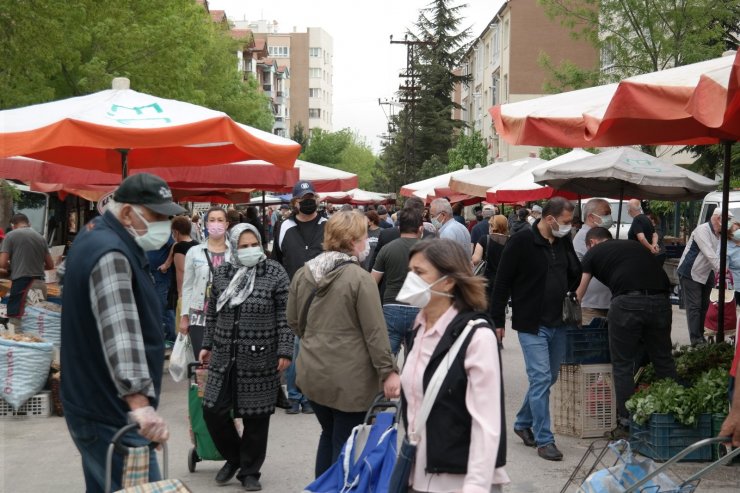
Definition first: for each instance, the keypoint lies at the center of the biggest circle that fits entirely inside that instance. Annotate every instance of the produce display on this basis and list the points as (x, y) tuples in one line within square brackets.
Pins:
[(21, 337), (702, 387)]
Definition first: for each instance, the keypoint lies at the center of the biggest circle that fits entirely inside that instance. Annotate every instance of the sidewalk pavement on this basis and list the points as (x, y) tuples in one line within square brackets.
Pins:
[(37, 455)]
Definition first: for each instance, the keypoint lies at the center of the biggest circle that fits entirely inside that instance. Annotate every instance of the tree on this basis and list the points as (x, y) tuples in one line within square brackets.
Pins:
[(469, 150), (343, 150), (425, 131), (299, 135), (53, 50), (635, 36)]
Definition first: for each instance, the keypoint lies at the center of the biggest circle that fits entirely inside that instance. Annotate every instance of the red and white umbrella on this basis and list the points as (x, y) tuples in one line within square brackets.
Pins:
[(691, 104), (356, 197), (522, 187), (120, 129), (326, 179), (428, 188)]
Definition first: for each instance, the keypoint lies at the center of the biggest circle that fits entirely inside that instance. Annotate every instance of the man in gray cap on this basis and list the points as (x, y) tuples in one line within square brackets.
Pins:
[(112, 341)]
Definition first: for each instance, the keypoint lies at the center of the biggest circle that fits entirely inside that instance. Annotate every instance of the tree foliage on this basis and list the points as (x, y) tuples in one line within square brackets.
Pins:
[(635, 36), (53, 50), (343, 150), (299, 136), (468, 151), (418, 147)]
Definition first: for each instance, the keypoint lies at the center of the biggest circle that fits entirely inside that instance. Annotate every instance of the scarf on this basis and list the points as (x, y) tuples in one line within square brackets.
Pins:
[(325, 262), (242, 283)]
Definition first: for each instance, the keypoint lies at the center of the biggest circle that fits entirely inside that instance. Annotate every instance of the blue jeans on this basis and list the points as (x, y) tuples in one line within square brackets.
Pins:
[(92, 439), (293, 393), (543, 354), (400, 321), (336, 427)]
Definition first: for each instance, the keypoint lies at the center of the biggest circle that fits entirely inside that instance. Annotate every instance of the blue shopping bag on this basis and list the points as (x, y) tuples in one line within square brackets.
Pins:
[(362, 469)]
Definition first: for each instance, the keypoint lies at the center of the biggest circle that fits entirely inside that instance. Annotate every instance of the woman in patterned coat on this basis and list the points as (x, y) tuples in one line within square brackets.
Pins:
[(247, 343)]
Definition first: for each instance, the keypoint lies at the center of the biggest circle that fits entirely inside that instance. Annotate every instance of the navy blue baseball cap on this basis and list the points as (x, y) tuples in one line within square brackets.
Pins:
[(303, 187)]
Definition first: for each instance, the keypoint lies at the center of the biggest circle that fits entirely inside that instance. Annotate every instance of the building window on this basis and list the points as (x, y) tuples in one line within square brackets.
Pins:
[(278, 51), (495, 43), (314, 93), (314, 113), (314, 52), (314, 72), (495, 82)]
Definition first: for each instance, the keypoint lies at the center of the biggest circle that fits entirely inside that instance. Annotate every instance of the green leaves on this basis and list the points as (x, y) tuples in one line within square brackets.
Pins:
[(469, 150), (53, 50), (343, 150)]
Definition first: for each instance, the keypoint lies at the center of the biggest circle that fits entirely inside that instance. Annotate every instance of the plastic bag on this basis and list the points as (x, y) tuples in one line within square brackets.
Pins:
[(181, 357), (627, 472), (24, 369)]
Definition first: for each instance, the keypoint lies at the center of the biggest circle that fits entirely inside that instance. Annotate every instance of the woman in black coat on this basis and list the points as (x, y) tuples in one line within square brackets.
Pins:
[(247, 343)]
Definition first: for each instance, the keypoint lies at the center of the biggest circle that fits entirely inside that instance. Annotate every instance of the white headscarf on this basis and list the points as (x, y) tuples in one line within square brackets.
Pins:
[(242, 283)]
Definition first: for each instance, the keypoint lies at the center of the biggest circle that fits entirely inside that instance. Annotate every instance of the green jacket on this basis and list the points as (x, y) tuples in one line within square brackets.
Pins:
[(345, 353)]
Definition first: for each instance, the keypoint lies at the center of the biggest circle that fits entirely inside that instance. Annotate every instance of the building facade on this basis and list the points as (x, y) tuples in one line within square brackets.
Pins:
[(503, 65), (308, 58)]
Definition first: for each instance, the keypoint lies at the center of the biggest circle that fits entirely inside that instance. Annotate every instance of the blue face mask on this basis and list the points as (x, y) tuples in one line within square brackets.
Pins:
[(736, 235)]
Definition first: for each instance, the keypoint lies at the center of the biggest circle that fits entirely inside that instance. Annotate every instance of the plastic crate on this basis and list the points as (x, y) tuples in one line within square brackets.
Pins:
[(587, 346), (583, 401), (663, 437), (38, 406)]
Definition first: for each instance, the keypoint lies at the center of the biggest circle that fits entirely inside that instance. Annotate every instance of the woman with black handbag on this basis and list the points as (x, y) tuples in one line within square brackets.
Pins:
[(452, 381)]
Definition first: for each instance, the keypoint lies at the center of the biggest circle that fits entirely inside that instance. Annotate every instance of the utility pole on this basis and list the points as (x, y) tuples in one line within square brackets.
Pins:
[(410, 96)]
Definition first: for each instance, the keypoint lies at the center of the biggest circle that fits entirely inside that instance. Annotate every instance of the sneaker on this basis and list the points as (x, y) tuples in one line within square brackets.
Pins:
[(306, 408), (250, 483), (527, 436), (550, 452), (295, 408)]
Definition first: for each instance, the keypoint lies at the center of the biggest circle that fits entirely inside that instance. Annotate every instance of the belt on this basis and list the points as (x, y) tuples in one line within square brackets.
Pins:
[(642, 292)]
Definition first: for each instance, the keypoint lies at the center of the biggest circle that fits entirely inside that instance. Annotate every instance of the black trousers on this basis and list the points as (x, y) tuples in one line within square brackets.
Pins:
[(639, 324), (336, 427), (250, 450)]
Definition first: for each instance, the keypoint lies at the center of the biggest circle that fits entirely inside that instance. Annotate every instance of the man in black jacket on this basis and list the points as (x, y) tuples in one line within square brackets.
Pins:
[(299, 239), (538, 267)]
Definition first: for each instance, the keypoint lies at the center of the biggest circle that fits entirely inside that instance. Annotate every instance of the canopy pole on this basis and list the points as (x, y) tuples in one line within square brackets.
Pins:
[(124, 163), (723, 241), (619, 214), (264, 214)]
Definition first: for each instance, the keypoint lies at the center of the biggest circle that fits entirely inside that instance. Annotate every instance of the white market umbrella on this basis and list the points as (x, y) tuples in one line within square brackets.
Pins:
[(424, 188), (478, 181)]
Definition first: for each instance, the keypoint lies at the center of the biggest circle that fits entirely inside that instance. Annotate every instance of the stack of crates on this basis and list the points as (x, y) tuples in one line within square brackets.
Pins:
[(38, 406), (583, 401)]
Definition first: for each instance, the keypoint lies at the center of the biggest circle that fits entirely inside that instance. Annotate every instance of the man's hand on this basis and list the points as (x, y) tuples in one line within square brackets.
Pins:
[(184, 325), (164, 267), (500, 332), (392, 386), (283, 363), (151, 425), (656, 249)]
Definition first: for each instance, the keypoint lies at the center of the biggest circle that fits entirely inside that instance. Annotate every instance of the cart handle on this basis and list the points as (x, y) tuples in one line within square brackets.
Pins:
[(380, 402), (691, 448), (115, 445)]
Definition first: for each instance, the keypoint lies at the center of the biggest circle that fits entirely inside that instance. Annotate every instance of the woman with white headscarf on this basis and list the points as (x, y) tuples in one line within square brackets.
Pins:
[(247, 343)]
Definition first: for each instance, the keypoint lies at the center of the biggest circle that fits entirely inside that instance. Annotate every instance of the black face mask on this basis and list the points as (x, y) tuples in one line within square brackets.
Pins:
[(307, 206)]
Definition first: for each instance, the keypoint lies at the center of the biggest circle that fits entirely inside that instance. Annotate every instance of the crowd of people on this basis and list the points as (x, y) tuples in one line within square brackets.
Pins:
[(330, 297)]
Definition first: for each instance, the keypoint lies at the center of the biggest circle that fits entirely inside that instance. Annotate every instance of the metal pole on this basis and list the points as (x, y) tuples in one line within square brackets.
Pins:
[(619, 214), (124, 163), (723, 242)]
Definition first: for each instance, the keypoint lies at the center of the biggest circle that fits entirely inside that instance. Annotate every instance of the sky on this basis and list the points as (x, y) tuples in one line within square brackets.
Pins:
[(366, 65)]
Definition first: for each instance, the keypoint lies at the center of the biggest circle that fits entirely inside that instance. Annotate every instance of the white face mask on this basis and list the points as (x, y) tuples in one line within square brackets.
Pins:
[(365, 252), (562, 230), (417, 292), (156, 236), (606, 221), (250, 256)]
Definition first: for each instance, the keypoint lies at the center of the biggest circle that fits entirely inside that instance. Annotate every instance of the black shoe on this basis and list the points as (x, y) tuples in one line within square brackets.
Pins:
[(250, 483), (227, 472), (295, 408), (527, 436), (550, 452), (306, 408)]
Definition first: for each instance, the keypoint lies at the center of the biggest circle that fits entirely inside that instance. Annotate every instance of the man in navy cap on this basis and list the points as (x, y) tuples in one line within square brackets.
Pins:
[(298, 240), (112, 340)]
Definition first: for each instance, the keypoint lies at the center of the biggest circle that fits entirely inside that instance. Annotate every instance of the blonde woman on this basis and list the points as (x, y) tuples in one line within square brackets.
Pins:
[(345, 356)]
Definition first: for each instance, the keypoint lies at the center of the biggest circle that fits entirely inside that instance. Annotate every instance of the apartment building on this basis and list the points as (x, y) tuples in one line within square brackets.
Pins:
[(308, 60), (503, 64)]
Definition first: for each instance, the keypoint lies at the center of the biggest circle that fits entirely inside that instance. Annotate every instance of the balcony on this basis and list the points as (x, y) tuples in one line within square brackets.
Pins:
[(279, 97), (267, 88), (279, 123)]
